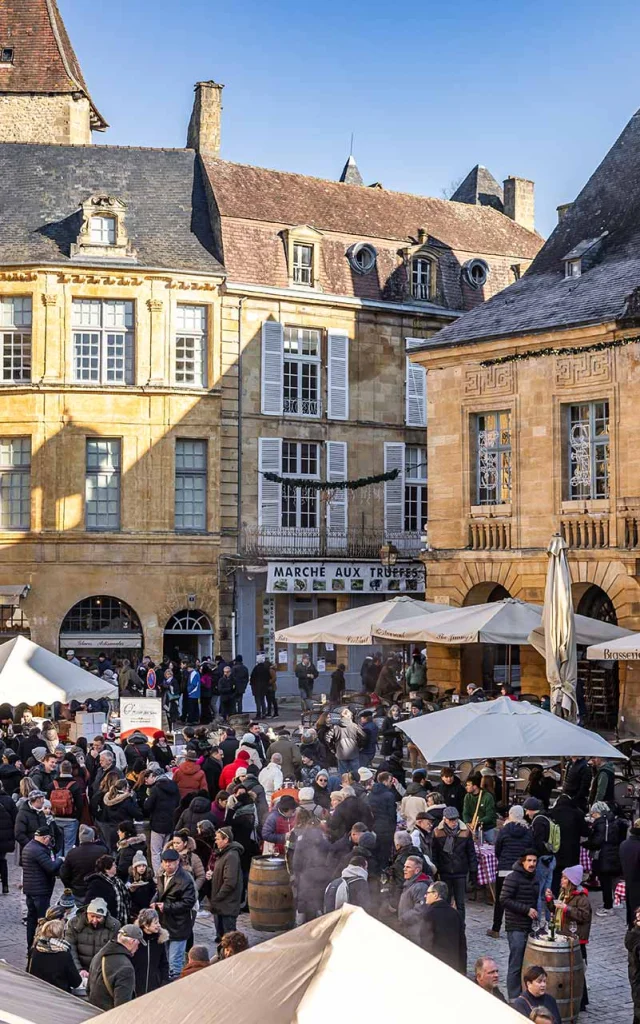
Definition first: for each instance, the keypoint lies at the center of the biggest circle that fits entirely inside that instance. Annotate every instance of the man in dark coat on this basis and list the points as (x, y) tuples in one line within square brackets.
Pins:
[(229, 746), (30, 818), (81, 861), (454, 855), (442, 929), (411, 907), (519, 898), (39, 870), (112, 978), (163, 798), (577, 783), (382, 804), (346, 814), (226, 883), (176, 907), (259, 681), (630, 861), (370, 745), (240, 674), (453, 792), (90, 930), (572, 828), (7, 840), (311, 870)]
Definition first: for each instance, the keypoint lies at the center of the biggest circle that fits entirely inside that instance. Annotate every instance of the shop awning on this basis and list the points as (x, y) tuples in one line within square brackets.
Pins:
[(356, 626), (627, 648), (10, 596)]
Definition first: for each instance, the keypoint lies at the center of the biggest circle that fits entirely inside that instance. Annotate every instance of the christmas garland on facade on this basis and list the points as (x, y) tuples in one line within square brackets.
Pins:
[(573, 350), (331, 485)]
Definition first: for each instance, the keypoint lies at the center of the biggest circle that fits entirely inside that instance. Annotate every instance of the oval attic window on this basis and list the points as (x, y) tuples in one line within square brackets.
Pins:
[(362, 257), (476, 272)]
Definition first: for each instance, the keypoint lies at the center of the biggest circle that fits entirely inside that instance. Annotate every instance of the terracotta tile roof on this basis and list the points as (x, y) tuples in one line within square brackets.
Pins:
[(279, 197), (44, 60)]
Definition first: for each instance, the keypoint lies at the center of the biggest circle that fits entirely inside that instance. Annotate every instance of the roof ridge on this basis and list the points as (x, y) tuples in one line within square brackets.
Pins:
[(61, 50), (100, 146)]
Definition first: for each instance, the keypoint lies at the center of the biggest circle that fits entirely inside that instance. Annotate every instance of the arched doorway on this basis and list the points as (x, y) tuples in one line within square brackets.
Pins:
[(102, 623), (598, 687), (188, 634), (489, 665)]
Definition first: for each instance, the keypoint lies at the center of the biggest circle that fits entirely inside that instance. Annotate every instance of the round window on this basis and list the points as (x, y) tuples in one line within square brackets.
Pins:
[(362, 257), (476, 272)]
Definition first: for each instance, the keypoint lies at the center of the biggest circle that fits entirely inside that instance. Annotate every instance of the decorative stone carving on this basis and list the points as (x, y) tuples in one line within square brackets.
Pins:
[(49, 300), (586, 368), (105, 210), (490, 380), (155, 305), (18, 275)]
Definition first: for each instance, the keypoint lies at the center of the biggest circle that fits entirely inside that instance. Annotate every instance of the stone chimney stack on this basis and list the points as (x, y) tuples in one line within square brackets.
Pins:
[(205, 124), (519, 201), (563, 210)]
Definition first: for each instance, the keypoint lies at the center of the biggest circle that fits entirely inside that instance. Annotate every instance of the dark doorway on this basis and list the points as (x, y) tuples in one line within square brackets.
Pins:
[(598, 687), (489, 665)]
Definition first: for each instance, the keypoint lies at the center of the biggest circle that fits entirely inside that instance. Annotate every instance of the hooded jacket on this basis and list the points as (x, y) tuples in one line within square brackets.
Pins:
[(355, 890), (271, 779), (382, 804), (85, 940), (118, 807), (161, 803), (604, 842), (178, 894), (151, 962), (519, 895), (198, 810), (119, 973), (10, 777), (189, 778), (226, 883)]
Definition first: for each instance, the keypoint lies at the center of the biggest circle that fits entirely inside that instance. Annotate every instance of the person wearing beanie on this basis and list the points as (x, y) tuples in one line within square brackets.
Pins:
[(307, 801), (81, 862), (30, 817), (248, 743), (454, 855), (141, 884), (130, 842), (605, 835), (175, 905), (279, 823), (189, 776), (511, 842), (228, 773), (91, 928), (540, 841)]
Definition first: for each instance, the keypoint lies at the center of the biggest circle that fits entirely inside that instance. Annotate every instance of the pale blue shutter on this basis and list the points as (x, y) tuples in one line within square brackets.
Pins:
[(338, 375), (272, 368), (394, 489), (337, 510), (269, 493), (416, 395)]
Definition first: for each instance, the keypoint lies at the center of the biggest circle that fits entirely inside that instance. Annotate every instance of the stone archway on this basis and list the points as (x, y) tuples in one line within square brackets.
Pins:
[(488, 665), (598, 682)]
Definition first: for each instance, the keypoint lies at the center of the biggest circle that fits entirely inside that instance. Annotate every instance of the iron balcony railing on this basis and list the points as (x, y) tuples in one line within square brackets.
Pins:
[(302, 407), (350, 543)]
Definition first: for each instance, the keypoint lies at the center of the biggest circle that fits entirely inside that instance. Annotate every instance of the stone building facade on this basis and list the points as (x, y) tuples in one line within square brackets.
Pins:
[(534, 428)]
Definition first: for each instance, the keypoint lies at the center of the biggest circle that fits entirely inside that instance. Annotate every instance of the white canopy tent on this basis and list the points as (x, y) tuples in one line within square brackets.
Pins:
[(356, 626), (502, 728), (626, 648), (25, 999), (325, 968), (500, 622), (32, 675)]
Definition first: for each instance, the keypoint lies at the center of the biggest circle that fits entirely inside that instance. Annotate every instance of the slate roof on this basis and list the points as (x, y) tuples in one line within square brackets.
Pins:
[(44, 60), (350, 173), (167, 215), (480, 188), (609, 206), (280, 197)]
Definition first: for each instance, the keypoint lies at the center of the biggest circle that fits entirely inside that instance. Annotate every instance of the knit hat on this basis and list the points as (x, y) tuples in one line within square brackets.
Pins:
[(516, 813), (243, 755), (451, 813), (600, 807), (365, 774), (36, 794), (306, 793), (323, 771), (249, 738), (67, 900), (574, 874), (98, 906), (139, 858), (533, 804), (191, 755), (369, 840), (86, 834), (225, 831), (240, 773), (40, 753)]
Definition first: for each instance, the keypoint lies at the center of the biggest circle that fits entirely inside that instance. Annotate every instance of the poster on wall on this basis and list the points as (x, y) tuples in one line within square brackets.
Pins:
[(140, 714), (269, 627), (345, 578)]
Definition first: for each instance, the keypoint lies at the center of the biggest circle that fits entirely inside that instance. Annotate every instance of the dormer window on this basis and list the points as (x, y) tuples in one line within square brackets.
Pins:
[(421, 278), (103, 230), (572, 268), (302, 250), (6, 55), (302, 264)]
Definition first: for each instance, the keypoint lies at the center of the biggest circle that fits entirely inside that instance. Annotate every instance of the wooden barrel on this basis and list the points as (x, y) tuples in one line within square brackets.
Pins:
[(562, 960), (271, 906)]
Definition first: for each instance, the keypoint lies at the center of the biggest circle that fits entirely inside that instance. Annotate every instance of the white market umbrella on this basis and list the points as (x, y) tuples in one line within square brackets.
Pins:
[(501, 728), (560, 655), (323, 969), (32, 675), (626, 648), (355, 626)]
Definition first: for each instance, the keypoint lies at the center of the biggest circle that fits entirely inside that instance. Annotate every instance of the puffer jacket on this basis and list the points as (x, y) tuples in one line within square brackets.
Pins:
[(511, 842), (126, 851), (78, 863), (10, 777), (189, 778), (519, 895), (160, 805), (462, 859), (226, 884), (151, 962), (344, 739), (39, 869), (28, 820), (604, 841), (198, 810), (7, 824), (85, 941)]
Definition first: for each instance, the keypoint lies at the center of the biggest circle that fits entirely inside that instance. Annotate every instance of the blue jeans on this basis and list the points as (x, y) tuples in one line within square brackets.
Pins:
[(544, 876), (69, 829), (351, 765), (177, 949), (517, 943), (306, 699)]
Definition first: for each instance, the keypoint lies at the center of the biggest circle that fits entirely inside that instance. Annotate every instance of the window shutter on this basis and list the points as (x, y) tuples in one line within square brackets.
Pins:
[(272, 368), (394, 489), (337, 508), (338, 376), (269, 494), (416, 395)]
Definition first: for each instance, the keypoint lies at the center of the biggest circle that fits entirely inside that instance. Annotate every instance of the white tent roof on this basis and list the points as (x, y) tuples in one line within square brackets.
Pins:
[(28, 1000), (356, 625), (626, 648), (501, 728), (34, 675), (329, 969), (499, 622)]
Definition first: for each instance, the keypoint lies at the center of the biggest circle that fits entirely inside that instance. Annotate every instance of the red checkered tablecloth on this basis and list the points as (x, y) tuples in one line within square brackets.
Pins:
[(487, 864), (585, 860), (620, 895)]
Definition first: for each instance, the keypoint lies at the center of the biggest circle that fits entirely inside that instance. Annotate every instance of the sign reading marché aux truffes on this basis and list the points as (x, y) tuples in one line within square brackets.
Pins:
[(344, 578)]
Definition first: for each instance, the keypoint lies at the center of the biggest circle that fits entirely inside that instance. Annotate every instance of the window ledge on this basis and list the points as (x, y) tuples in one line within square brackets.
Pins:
[(489, 511), (596, 506)]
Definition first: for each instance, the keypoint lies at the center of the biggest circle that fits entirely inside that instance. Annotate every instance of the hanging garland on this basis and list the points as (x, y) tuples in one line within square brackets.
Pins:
[(573, 350), (331, 485)]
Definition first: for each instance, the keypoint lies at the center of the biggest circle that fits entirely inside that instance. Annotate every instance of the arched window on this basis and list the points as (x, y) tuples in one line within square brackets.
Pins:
[(188, 633), (188, 622), (101, 615)]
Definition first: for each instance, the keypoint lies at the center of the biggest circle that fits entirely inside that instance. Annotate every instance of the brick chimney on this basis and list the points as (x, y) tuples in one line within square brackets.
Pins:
[(519, 201), (204, 127)]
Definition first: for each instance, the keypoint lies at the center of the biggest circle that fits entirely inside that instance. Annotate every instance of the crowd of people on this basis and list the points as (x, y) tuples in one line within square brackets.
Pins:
[(147, 834)]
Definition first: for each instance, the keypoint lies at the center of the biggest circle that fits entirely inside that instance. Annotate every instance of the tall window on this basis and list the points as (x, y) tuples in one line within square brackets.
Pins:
[(300, 504), (191, 486), (421, 278), (102, 485), (301, 371), (15, 325), (15, 483), (103, 230), (102, 341), (493, 469), (589, 450), (191, 346), (415, 488), (302, 264)]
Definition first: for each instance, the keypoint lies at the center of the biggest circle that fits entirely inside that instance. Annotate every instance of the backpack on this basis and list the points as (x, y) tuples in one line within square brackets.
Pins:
[(61, 800), (553, 842), (336, 894)]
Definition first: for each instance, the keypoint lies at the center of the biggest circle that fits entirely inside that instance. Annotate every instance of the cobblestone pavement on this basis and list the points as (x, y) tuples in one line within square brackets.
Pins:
[(610, 1000)]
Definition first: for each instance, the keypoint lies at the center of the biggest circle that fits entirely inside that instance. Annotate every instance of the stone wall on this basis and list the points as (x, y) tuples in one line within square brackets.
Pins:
[(60, 119)]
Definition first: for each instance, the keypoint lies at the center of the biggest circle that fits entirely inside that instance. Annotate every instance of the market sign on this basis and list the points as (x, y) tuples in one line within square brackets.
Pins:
[(112, 641), (140, 714), (344, 578)]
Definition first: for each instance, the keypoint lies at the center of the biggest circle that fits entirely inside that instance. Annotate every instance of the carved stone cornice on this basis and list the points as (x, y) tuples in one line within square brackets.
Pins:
[(123, 280), (18, 275)]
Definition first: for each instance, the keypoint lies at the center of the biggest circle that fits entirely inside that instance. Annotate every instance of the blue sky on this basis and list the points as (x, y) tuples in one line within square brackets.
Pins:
[(538, 88)]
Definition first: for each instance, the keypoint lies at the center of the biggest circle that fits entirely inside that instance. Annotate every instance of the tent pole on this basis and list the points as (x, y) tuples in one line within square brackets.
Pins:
[(509, 664), (505, 795)]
